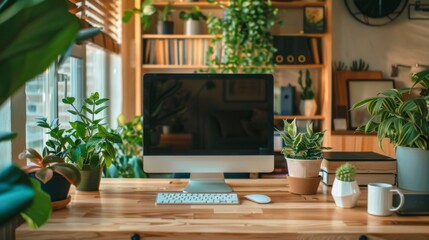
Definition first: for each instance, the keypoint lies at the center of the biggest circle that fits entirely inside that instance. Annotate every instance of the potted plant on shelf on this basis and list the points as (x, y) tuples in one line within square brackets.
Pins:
[(128, 163), (403, 117), (244, 36), (307, 105), (54, 174), (345, 189), (303, 153), (192, 20)]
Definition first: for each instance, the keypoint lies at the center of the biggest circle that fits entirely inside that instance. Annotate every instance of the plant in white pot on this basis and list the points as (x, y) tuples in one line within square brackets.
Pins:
[(402, 116), (307, 105), (303, 153), (192, 18), (345, 189)]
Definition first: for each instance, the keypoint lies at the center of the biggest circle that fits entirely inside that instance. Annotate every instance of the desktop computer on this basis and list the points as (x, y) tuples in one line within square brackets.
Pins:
[(207, 125)]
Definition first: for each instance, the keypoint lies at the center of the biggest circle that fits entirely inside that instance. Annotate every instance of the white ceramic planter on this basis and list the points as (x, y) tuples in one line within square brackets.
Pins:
[(303, 168), (308, 107), (345, 194)]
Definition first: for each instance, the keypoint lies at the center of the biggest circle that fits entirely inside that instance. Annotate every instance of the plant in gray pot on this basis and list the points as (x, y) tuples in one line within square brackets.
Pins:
[(54, 174), (192, 18), (303, 153), (402, 116)]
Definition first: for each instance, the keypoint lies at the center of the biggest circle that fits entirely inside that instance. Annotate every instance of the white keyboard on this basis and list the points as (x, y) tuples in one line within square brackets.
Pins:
[(196, 198)]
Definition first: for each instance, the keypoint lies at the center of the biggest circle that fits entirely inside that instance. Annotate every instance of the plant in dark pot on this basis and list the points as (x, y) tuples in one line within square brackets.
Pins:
[(128, 163), (192, 20), (303, 152), (54, 174), (402, 116)]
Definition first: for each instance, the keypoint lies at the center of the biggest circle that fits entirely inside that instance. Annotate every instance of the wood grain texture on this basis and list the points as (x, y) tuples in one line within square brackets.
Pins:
[(123, 207)]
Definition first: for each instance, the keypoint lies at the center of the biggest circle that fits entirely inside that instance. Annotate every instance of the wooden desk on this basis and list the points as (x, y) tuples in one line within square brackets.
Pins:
[(126, 206)]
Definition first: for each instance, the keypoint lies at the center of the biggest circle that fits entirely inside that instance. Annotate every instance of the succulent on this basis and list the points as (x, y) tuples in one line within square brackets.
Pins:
[(339, 66), (307, 92), (307, 145), (346, 173), (360, 65)]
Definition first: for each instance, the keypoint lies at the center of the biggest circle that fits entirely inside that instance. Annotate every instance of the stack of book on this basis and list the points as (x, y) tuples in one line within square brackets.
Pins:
[(371, 167)]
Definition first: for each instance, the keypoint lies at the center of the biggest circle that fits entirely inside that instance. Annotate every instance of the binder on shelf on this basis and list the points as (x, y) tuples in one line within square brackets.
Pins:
[(292, 50), (287, 100), (316, 47)]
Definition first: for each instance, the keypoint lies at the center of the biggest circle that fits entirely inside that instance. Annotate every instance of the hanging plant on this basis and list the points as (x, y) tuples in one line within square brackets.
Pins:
[(242, 39)]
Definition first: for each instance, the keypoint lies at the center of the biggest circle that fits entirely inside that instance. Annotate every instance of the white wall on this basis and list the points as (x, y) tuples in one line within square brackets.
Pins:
[(401, 42)]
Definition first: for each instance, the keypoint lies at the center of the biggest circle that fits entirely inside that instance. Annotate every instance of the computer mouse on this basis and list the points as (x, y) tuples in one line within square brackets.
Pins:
[(258, 198)]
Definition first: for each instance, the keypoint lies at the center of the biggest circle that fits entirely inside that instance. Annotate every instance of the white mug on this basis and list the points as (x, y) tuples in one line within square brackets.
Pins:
[(380, 199)]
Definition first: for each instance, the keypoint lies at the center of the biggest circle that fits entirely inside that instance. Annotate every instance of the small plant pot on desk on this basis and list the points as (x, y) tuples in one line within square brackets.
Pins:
[(91, 178), (303, 175), (306, 186)]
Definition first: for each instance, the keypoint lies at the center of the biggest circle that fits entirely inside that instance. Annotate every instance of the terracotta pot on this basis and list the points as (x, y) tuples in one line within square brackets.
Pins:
[(345, 194), (305, 186), (303, 168)]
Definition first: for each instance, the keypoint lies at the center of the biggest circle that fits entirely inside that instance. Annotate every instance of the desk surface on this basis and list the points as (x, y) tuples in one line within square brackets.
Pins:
[(126, 206)]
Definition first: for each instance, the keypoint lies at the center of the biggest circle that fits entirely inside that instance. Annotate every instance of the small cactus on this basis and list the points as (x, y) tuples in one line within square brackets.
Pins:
[(346, 172)]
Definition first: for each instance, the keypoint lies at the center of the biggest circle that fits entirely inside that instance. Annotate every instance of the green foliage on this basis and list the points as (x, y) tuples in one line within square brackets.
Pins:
[(46, 166), (128, 162), (194, 13), (20, 194), (360, 65), (146, 12), (307, 92), (244, 36), (399, 115), (35, 32), (307, 145), (346, 172)]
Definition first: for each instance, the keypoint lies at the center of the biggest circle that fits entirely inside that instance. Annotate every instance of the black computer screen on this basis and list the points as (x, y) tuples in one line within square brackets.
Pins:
[(208, 114)]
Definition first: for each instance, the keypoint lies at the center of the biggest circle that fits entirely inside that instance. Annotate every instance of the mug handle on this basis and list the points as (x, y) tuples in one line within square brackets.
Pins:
[(401, 202)]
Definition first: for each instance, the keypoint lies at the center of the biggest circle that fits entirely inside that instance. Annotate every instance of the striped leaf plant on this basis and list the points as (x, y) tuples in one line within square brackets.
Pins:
[(400, 114)]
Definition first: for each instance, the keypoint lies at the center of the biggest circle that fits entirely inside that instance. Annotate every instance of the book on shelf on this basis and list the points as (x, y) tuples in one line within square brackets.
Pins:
[(365, 162), (362, 179), (293, 50)]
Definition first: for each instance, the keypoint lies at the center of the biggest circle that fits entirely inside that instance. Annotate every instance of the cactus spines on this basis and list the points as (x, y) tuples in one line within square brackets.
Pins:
[(346, 172)]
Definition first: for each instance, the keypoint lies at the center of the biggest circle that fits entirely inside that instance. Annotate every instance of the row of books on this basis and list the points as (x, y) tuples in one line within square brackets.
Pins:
[(371, 167), (175, 51)]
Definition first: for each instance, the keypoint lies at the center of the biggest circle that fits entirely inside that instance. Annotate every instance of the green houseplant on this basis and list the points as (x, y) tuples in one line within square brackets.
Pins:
[(192, 19), (244, 36), (402, 116), (128, 163), (345, 189), (54, 174), (307, 105), (303, 152)]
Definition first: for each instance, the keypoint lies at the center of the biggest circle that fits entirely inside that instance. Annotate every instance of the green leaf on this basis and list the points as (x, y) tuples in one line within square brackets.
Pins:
[(4, 136), (68, 100), (40, 210), (44, 175), (37, 32), (75, 154), (100, 101), (15, 190), (100, 109), (69, 172)]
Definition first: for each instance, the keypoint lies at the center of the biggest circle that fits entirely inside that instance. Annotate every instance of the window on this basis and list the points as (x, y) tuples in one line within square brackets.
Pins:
[(5, 147)]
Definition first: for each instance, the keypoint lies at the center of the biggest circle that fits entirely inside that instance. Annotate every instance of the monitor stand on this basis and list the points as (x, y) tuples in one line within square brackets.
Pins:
[(207, 182)]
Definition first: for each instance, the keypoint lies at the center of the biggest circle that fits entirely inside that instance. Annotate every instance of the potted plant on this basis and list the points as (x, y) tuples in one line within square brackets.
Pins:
[(402, 116), (192, 20), (128, 163), (164, 26), (244, 36), (307, 105), (345, 189), (87, 144), (54, 174), (303, 153)]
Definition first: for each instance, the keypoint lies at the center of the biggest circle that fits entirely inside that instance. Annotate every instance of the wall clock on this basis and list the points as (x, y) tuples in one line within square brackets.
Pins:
[(375, 12)]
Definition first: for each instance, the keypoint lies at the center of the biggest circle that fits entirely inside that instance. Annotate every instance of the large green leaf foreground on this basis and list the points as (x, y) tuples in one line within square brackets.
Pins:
[(19, 194), (34, 33)]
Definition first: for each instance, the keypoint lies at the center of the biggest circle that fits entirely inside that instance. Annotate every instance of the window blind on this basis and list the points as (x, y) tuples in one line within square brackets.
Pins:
[(100, 13)]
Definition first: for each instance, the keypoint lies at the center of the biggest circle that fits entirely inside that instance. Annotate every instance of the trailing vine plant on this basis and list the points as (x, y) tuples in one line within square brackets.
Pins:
[(242, 39)]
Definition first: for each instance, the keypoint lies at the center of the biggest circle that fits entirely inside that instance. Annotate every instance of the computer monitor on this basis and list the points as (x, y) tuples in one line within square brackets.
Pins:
[(207, 125)]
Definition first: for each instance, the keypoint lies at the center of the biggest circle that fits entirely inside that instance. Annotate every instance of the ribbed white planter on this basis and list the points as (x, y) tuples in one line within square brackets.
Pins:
[(345, 194)]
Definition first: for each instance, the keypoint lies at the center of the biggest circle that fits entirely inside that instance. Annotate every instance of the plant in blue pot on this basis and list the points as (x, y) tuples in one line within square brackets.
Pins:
[(54, 174), (402, 116)]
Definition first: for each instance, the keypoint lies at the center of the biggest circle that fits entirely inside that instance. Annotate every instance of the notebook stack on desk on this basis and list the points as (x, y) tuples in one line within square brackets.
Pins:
[(371, 167)]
